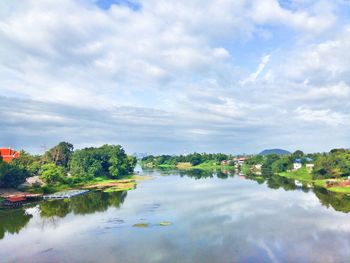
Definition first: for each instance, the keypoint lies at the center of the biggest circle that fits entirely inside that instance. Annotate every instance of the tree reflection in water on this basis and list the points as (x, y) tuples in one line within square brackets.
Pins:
[(96, 201), (12, 221)]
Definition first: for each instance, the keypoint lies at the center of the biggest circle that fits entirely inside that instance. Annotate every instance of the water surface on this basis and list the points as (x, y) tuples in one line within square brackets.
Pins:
[(215, 216)]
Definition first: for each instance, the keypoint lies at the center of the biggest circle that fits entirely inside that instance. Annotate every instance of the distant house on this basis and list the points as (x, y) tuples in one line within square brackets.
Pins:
[(8, 154), (297, 164), (240, 160)]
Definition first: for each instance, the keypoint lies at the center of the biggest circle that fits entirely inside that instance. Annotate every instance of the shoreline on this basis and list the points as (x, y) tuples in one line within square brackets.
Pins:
[(98, 184)]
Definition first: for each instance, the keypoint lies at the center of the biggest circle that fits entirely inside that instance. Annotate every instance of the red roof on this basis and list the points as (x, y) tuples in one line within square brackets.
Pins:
[(8, 154), (14, 199)]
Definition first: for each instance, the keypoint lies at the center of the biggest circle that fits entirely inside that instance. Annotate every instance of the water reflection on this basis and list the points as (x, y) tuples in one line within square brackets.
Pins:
[(202, 174), (13, 221), (338, 201), (84, 204)]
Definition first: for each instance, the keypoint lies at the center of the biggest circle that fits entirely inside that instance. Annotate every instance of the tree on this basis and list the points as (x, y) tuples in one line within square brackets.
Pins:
[(60, 154), (297, 154), (28, 162), (107, 160), (11, 176), (51, 173)]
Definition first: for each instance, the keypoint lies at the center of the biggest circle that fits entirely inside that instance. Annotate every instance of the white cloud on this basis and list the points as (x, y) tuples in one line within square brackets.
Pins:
[(325, 116), (270, 11), (254, 76), (181, 63)]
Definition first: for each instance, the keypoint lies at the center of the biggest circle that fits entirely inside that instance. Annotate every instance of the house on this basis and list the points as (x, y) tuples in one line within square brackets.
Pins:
[(297, 164), (8, 154), (240, 160)]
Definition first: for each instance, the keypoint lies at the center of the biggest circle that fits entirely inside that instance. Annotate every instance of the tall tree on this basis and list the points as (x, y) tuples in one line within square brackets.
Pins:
[(60, 154)]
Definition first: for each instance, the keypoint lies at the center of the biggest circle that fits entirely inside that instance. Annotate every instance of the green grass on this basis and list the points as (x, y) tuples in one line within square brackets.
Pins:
[(53, 188), (301, 175), (120, 189), (304, 176)]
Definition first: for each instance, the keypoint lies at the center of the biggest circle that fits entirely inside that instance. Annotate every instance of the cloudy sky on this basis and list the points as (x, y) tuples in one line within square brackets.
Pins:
[(175, 76)]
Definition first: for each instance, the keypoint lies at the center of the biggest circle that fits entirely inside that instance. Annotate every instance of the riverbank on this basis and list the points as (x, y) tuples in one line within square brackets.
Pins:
[(333, 185), (189, 166), (98, 183)]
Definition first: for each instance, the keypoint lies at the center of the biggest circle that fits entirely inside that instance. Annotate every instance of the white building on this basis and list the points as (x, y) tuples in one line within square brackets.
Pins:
[(297, 164)]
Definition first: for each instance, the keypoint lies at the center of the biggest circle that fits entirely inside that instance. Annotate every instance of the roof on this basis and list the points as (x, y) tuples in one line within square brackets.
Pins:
[(7, 154), (297, 160)]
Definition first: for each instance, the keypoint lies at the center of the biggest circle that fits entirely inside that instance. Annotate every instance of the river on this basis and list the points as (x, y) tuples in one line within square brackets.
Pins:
[(211, 217)]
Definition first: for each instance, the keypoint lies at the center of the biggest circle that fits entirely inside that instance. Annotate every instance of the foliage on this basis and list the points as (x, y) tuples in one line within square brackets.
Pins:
[(193, 158), (109, 161), (52, 173), (62, 165), (10, 175), (335, 164), (60, 154)]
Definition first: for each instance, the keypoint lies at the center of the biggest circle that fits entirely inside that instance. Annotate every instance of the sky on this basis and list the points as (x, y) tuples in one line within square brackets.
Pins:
[(175, 76)]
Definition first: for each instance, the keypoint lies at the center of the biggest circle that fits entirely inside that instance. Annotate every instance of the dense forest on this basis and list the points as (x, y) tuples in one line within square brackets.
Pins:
[(62, 164)]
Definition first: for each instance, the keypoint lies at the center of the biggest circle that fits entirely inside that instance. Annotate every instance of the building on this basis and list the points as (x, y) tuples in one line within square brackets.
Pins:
[(240, 160), (297, 164), (8, 154)]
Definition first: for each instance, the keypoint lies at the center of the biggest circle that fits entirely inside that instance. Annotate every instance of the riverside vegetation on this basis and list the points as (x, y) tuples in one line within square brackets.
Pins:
[(62, 167), (189, 161), (331, 170)]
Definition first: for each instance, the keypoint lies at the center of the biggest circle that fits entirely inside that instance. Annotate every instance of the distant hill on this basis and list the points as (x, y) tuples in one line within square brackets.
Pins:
[(274, 151)]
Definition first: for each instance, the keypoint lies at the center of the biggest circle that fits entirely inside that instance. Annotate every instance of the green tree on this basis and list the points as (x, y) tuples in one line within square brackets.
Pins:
[(11, 176), (51, 173), (60, 154)]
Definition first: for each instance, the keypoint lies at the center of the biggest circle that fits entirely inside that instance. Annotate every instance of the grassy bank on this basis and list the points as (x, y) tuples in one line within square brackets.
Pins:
[(100, 183), (303, 175)]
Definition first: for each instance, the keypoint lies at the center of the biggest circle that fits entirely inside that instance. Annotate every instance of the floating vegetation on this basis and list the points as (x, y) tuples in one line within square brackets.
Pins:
[(113, 186), (142, 177), (141, 225), (165, 223), (124, 187)]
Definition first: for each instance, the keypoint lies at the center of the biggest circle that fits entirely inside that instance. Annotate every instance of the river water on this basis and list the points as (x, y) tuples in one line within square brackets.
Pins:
[(214, 216)]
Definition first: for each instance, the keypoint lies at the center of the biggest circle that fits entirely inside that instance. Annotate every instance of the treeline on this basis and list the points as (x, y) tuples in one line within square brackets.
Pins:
[(279, 163), (61, 164), (193, 158), (334, 164)]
